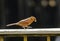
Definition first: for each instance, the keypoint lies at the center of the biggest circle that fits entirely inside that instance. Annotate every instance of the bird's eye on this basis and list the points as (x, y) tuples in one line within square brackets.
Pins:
[(31, 18)]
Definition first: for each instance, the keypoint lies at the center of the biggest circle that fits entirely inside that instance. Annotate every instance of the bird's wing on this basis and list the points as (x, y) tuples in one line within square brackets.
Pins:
[(25, 20)]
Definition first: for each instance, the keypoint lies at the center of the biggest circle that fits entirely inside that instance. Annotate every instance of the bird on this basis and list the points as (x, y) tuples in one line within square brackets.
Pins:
[(24, 23)]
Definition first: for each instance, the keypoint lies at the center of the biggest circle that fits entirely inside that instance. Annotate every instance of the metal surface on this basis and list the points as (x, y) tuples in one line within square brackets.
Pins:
[(1, 38), (48, 38), (25, 37), (30, 31)]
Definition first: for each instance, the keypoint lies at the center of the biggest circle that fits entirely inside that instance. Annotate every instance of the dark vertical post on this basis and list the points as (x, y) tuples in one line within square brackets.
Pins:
[(3, 14), (27, 8), (58, 4), (21, 9)]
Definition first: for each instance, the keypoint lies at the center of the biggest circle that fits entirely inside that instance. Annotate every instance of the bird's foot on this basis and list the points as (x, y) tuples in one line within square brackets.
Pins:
[(29, 27)]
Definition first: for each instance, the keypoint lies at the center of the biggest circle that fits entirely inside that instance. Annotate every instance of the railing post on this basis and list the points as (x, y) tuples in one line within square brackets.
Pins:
[(25, 37), (48, 38), (1, 38)]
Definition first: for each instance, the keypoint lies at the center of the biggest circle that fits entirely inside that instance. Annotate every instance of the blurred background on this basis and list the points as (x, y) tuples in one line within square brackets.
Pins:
[(47, 13)]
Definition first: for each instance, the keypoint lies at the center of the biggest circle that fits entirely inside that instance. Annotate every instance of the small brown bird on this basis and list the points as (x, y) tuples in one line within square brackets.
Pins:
[(25, 22)]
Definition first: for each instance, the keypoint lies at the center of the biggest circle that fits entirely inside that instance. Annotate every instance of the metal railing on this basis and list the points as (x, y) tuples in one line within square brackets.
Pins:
[(29, 32)]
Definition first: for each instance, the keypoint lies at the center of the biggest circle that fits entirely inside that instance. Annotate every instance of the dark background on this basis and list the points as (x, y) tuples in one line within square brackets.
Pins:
[(14, 10)]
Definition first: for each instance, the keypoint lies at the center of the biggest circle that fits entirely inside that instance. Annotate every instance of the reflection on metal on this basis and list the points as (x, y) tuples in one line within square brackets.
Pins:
[(1, 38), (25, 37), (29, 32), (48, 38)]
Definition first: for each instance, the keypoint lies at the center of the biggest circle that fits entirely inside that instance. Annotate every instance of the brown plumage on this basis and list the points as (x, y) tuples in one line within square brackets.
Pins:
[(25, 22)]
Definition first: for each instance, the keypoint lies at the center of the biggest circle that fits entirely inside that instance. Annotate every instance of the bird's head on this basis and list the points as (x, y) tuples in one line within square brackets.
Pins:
[(34, 18)]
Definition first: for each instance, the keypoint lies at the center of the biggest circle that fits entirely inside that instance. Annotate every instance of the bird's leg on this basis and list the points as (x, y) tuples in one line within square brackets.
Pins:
[(24, 27), (29, 27)]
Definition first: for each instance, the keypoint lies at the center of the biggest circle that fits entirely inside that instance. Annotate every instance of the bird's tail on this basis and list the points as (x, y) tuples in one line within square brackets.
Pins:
[(11, 24)]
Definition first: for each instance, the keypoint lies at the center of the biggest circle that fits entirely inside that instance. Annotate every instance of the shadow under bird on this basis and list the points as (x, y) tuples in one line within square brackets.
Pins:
[(25, 23)]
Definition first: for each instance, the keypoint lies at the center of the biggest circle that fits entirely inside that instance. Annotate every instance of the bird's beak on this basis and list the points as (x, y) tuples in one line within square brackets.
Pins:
[(35, 20)]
